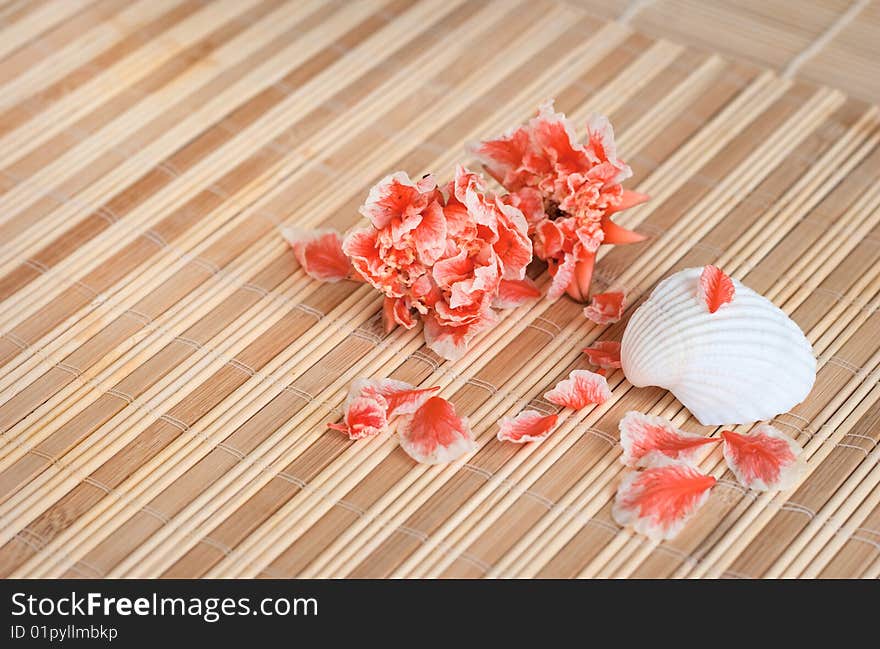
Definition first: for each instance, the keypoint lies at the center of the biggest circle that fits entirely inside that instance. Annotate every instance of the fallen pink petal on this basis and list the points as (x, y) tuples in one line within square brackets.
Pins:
[(650, 440), (527, 426), (604, 354), (319, 253), (764, 459), (606, 308), (580, 389), (659, 501), (434, 433)]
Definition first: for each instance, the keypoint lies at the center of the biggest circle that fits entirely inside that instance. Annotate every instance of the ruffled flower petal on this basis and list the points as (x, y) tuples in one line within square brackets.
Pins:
[(319, 253), (648, 440), (716, 288), (579, 390), (515, 292), (435, 433), (765, 459), (604, 354), (396, 198), (606, 308), (527, 426), (659, 501), (364, 416)]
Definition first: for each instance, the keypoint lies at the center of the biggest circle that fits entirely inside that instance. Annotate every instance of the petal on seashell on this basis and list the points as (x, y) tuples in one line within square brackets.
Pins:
[(716, 288), (515, 292), (319, 253), (659, 501), (765, 459), (580, 389), (527, 426), (435, 433), (747, 362), (400, 397), (604, 353), (648, 440), (606, 308), (364, 416)]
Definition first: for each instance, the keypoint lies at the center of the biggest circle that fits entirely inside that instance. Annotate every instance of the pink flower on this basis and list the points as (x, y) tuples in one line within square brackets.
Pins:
[(448, 256), (579, 188)]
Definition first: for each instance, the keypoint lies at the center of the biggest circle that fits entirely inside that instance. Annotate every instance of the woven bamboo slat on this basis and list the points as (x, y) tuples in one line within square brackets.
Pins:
[(167, 370)]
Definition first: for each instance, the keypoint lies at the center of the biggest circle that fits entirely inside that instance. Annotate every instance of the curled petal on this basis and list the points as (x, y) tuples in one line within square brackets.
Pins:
[(319, 253), (606, 308), (548, 239), (580, 389), (527, 426), (435, 433), (765, 459), (579, 286), (617, 235), (659, 501), (716, 288), (530, 202), (648, 440), (396, 312), (600, 139), (515, 292), (400, 397), (364, 416), (605, 354)]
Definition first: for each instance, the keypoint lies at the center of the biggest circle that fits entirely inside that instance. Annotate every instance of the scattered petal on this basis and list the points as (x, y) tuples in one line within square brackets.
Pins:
[(606, 308), (716, 288), (648, 440), (580, 389), (401, 397), (527, 426), (659, 501), (319, 253), (435, 433), (515, 292), (605, 354), (364, 416), (765, 459)]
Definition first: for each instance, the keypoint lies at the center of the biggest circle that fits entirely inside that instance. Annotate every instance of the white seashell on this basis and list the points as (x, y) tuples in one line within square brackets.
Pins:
[(746, 362)]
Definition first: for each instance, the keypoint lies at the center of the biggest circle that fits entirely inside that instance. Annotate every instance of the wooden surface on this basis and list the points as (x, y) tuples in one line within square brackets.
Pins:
[(167, 370)]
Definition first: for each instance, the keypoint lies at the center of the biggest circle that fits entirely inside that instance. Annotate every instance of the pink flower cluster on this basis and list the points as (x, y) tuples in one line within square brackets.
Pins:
[(567, 190), (452, 255)]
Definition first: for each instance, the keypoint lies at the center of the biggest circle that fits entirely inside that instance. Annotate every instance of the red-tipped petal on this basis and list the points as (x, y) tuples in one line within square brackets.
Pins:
[(515, 292), (401, 397), (617, 235), (716, 288), (435, 433), (604, 353), (765, 459), (319, 253), (659, 501), (648, 440), (527, 426), (364, 416), (606, 308), (580, 389)]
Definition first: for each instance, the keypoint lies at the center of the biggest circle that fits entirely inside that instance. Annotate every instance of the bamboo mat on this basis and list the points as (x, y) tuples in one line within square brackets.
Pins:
[(168, 370)]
